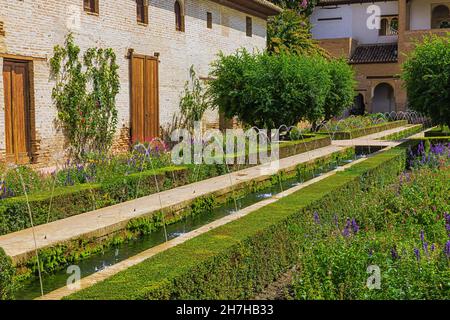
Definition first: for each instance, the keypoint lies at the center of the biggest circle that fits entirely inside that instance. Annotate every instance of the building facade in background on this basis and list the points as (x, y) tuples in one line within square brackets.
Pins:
[(375, 37), (156, 43)]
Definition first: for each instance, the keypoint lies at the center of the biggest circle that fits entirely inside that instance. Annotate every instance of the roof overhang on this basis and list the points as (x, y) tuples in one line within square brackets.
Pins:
[(259, 8), (337, 2)]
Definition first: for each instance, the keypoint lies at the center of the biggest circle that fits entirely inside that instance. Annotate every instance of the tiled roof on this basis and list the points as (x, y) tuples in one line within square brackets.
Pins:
[(375, 53), (333, 2)]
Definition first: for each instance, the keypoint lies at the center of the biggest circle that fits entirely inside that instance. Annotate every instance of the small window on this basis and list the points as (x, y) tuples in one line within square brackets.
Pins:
[(91, 6), (179, 17), (249, 27), (209, 20), (142, 11), (384, 27)]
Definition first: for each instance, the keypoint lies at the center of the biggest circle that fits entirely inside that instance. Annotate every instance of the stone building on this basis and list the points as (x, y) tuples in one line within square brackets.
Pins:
[(156, 42), (375, 37)]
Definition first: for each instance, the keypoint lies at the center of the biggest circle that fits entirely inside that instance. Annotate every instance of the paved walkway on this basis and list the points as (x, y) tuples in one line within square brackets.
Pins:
[(20, 245), (372, 139)]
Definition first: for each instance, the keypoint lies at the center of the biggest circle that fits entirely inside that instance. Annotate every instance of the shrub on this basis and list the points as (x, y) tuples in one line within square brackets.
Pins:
[(267, 90), (427, 78), (342, 91), (7, 272)]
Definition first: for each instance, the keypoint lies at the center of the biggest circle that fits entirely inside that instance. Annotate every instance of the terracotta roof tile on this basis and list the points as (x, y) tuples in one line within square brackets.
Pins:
[(375, 53)]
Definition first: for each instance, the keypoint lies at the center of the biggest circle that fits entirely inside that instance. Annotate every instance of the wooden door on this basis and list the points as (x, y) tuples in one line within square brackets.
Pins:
[(17, 120), (144, 98)]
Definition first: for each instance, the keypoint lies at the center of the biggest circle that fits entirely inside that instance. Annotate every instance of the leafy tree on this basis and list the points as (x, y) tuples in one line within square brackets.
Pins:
[(426, 74), (342, 91), (84, 95), (290, 32), (267, 90)]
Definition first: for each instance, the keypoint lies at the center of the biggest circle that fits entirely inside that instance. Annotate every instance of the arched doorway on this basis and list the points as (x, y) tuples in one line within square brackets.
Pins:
[(440, 17), (383, 98)]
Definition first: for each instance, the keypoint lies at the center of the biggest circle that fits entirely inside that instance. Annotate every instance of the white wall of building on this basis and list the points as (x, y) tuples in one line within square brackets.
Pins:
[(420, 18), (353, 23), (34, 27)]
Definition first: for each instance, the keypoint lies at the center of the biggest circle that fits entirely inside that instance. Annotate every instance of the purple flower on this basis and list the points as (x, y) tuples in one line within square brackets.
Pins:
[(346, 231), (355, 226), (425, 247), (417, 254), (336, 221), (316, 217), (422, 236), (447, 249), (394, 253)]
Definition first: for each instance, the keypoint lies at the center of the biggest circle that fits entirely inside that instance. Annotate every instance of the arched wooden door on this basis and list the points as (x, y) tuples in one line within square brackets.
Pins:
[(17, 111), (144, 98)]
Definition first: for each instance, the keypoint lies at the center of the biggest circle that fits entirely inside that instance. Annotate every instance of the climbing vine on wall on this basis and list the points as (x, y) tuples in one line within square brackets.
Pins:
[(85, 96)]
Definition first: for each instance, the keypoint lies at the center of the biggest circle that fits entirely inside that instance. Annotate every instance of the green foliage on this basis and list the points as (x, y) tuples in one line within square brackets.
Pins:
[(267, 90), (69, 201), (391, 221), (7, 272), (342, 92), (290, 32), (426, 74), (194, 101), (239, 259), (84, 95)]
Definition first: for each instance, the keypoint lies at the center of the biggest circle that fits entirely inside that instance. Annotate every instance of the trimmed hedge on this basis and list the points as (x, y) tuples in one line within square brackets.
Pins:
[(74, 200), (438, 132), (239, 259), (355, 133), (414, 129), (7, 272)]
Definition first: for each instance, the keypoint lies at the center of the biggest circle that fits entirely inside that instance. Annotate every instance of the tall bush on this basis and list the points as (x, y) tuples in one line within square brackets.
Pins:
[(426, 73), (84, 95), (342, 90), (267, 91)]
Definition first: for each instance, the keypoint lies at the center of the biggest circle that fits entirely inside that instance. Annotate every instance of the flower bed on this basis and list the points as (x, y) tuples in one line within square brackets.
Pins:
[(238, 259), (355, 133)]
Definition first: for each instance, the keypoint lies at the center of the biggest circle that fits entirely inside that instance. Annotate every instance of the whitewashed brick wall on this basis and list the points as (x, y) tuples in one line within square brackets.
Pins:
[(34, 27)]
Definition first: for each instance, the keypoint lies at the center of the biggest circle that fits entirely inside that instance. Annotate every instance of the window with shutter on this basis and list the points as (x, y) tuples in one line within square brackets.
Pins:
[(209, 23), (91, 6), (249, 27), (179, 17), (142, 11)]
